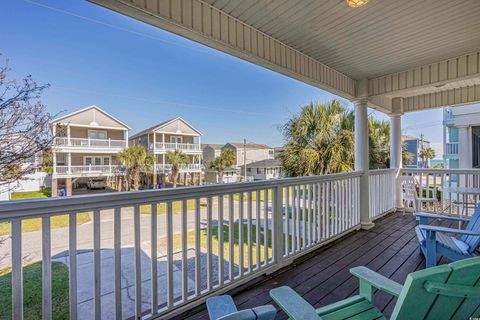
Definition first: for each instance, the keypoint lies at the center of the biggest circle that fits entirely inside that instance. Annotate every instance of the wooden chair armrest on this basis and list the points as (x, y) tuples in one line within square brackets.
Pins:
[(449, 230), (293, 304), (372, 278), (438, 216)]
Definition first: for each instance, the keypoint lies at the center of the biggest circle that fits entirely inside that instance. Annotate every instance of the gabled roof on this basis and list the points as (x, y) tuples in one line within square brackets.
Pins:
[(89, 108), (249, 145), (216, 146), (267, 163), (161, 125)]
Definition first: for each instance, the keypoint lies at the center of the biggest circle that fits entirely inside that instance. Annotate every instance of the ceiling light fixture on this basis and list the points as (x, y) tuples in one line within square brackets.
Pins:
[(356, 3)]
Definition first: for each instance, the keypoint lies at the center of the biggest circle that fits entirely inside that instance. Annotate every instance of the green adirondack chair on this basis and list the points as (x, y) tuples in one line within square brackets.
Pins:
[(450, 291)]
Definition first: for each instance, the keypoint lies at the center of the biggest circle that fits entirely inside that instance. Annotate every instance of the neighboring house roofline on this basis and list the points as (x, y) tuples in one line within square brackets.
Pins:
[(86, 109), (158, 126), (266, 163), (251, 146)]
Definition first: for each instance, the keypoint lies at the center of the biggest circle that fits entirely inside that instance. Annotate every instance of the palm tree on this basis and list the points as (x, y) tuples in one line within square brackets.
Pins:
[(379, 143), (425, 155), (319, 140), (176, 159), (136, 160), (225, 160)]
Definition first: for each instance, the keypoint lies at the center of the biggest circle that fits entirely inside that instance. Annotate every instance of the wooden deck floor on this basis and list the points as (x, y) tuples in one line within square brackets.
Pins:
[(390, 248)]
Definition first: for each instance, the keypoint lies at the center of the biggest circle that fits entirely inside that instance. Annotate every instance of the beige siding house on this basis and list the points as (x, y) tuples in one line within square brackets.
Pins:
[(85, 145), (265, 169), (253, 152), (210, 152), (171, 135)]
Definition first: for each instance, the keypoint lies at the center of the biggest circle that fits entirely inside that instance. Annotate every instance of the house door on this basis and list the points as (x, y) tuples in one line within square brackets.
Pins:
[(175, 139)]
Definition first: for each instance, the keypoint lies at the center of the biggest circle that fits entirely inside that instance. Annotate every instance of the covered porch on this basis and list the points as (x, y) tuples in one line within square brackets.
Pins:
[(191, 243)]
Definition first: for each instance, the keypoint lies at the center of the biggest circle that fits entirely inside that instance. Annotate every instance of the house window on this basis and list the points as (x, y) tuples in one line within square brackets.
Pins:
[(176, 139), (249, 169), (97, 134), (97, 161)]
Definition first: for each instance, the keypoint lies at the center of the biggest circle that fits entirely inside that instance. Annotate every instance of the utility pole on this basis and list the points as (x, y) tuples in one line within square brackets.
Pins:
[(245, 158)]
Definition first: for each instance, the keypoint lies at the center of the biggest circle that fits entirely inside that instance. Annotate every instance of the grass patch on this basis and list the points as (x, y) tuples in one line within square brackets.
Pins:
[(32, 291), (29, 225), (42, 193), (177, 243), (176, 207)]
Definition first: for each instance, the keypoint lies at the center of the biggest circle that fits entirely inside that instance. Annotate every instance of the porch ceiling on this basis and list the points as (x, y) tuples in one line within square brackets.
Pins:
[(405, 48)]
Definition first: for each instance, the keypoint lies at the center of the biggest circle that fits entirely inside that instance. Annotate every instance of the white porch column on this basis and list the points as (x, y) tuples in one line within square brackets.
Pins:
[(54, 160), (154, 141), (361, 159), (396, 154), (465, 160)]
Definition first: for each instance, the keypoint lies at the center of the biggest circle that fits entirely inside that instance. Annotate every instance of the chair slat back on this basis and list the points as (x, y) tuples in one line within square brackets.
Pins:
[(417, 301), (473, 225)]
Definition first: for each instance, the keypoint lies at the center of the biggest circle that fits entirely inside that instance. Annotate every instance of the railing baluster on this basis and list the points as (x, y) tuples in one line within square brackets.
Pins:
[(209, 244), (287, 220), (304, 216), (298, 212), (257, 228), (221, 260), (265, 225), (117, 253), (231, 242), (17, 270), (138, 267), (249, 231), (46, 269), (240, 233), (72, 270), (170, 284), (184, 252), (314, 213), (197, 248), (97, 264)]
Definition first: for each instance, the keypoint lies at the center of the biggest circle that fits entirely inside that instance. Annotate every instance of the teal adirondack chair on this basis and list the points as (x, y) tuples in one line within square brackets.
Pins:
[(434, 240), (450, 291), (223, 308)]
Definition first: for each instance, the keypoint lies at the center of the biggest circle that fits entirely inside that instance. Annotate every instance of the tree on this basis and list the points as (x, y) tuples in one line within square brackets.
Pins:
[(23, 125), (319, 140), (176, 159), (407, 157), (426, 154), (136, 160), (379, 143), (225, 160)]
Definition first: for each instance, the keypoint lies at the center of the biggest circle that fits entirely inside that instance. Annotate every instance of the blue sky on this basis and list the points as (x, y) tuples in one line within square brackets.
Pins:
[(144, 75)]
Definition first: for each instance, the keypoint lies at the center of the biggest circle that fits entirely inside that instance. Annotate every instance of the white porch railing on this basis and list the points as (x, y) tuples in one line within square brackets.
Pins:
[(172, 146), (382, 191), (451, 148), (449, 191), (193, 242), (89, 143), (89, 169), (183, 168)]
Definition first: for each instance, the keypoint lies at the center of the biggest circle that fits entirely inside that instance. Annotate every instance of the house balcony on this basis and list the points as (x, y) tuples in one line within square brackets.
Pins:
[(163, 147), (65, 144), (200, 241), (88, 170), (165, 168), (451, 149)]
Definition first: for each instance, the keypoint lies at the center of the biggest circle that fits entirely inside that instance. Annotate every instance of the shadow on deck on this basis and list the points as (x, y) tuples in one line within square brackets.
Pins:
[(390, 248)]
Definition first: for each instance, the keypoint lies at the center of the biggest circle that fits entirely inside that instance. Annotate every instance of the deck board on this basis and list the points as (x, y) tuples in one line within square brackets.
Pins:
[(390, 248)]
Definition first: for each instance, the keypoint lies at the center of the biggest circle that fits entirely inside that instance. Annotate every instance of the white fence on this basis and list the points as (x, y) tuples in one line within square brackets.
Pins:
[(192, 242), (172, 146), (89, 169), (451, 148), (382, 191)]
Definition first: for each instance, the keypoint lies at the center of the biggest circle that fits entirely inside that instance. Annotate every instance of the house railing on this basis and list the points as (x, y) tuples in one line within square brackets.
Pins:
[(89, 143), (87, 169), (451, 148), (172, 146), (382, 185), (193, 241), (183, 168), (446, 191)]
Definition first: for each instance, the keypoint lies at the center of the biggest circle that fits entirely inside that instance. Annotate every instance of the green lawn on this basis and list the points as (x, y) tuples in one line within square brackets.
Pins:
[(32, 292), (43, 193), (29, 225)]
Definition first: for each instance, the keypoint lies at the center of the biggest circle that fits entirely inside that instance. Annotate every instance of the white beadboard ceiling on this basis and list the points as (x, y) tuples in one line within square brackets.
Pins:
[(382, 37)]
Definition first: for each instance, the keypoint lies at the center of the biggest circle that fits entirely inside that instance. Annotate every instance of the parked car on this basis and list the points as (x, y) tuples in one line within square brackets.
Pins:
[(96, 183)]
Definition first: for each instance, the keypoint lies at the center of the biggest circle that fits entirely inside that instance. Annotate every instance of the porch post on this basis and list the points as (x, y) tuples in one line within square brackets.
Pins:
[(396, 154), (361, 159), (464, 148)]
